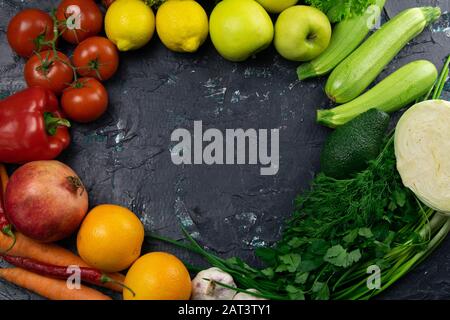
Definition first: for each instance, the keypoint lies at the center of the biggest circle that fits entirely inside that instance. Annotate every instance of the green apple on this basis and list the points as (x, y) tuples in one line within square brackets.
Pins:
[(240, 28), (276, 6), (302, 33)]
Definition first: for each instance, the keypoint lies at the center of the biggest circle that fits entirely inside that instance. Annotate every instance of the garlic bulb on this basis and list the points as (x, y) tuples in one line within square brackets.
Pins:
[(204, 289)]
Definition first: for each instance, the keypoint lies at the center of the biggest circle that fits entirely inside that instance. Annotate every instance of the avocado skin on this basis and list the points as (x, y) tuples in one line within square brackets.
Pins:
[(350, 147)]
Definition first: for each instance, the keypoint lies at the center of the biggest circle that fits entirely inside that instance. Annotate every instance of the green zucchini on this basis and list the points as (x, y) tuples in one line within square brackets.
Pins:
[(361, 68), (347, 36), (404, 86)]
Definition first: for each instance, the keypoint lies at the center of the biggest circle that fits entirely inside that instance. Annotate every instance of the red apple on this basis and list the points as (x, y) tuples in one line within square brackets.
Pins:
[(46, 200)]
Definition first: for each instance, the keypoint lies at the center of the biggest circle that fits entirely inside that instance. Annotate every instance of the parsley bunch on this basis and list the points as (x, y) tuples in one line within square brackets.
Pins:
[(338, 10)]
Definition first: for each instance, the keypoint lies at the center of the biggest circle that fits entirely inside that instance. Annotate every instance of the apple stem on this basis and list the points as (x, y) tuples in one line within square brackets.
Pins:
[(311, 36)]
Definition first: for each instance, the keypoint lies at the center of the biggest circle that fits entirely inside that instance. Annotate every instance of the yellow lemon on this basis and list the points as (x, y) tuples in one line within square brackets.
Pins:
[(130, 24), (110, 238), (158, 276), (182, 25)]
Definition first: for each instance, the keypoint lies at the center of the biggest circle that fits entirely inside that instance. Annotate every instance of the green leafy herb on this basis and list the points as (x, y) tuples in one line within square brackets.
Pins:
[(290, 262), (295, 293), (321, 291), (339, 257), (338, 10)]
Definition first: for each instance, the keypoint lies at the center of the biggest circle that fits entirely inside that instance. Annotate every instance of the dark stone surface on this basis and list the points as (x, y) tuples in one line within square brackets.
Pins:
[(124, 158)]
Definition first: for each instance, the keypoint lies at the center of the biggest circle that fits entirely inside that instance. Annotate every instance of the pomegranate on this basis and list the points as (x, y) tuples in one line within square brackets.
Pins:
[(46, 200)]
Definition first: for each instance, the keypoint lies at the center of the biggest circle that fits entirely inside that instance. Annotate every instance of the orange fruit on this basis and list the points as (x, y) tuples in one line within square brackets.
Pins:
[(110, 238), (158, 276)]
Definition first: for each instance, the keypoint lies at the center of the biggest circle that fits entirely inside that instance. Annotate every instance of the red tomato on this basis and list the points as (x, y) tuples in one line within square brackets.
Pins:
[(83, 19), (85, 100), (45, 70), (96, 57), (28, 30)]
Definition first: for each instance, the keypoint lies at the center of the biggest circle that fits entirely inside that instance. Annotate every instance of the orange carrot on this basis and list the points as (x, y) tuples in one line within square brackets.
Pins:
[(53, 289), (51, 254)]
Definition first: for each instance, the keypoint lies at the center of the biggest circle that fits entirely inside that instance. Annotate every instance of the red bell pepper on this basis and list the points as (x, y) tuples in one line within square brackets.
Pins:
[(32, 127)]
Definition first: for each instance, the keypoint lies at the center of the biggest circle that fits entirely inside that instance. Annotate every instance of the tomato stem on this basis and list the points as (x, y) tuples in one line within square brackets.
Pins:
[(78, 84), (95, 65), (52, 43)]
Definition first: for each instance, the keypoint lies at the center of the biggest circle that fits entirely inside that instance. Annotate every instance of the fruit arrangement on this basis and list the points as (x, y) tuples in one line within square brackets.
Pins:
[(45, 201)]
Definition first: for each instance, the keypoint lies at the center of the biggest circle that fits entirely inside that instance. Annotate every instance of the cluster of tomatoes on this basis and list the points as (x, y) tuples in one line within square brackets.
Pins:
[(34, 34)]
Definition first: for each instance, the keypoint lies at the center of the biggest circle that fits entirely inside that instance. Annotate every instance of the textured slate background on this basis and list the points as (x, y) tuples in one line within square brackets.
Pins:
[(124, 158)]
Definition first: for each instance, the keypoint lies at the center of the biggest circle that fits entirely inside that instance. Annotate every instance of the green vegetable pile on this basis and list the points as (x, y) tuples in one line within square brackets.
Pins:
[(338, 10), (338, 230), (340, 227)]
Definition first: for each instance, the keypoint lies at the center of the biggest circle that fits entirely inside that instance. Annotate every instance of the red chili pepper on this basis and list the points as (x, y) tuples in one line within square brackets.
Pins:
[(32, 127), (3, 220), (89, 275), (5, 225)]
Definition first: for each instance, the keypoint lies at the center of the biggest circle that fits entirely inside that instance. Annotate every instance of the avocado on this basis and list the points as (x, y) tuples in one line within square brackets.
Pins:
[(350, 147)]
